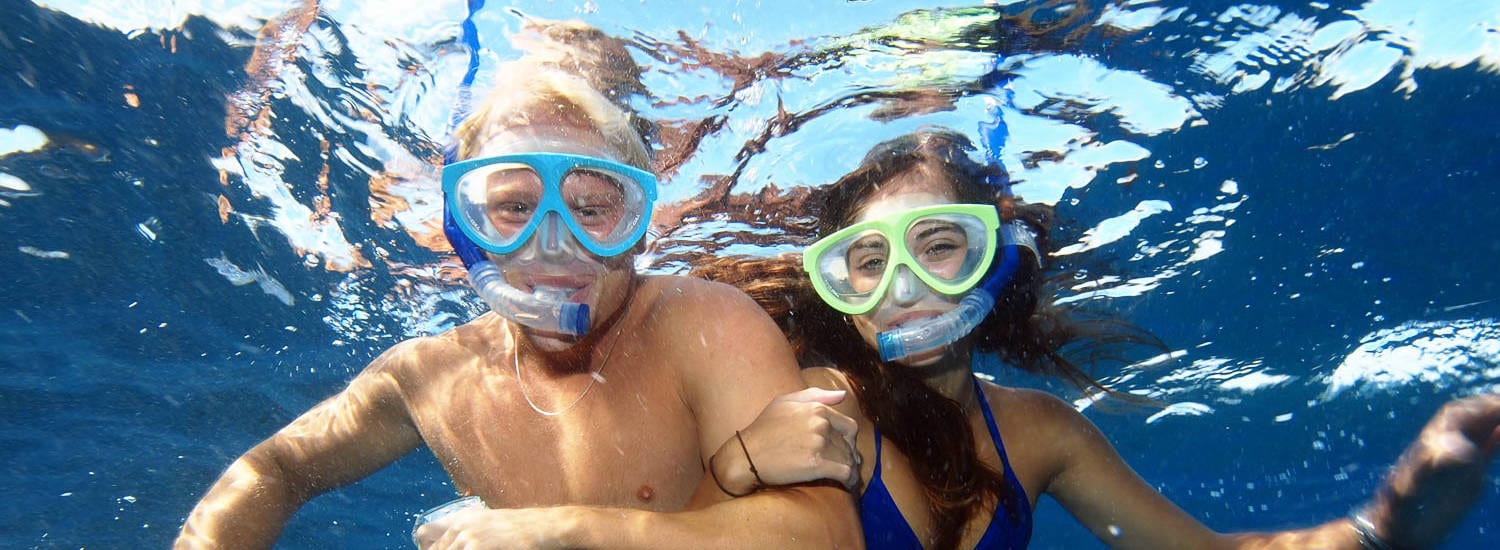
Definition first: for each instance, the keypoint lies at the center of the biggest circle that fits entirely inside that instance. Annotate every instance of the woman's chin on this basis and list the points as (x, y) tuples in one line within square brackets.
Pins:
[(924, 359)]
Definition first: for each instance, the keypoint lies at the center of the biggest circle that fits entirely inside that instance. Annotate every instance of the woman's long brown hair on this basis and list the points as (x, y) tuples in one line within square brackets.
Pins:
[(1025, 330)]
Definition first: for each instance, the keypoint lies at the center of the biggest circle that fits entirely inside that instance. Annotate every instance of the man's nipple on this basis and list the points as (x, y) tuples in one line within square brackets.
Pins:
[(645, 493)]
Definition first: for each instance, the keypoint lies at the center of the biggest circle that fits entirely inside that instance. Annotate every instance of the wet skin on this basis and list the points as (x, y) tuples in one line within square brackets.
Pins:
[(658, 390)]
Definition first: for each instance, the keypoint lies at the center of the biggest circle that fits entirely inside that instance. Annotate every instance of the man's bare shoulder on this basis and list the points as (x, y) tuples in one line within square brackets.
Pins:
[(416, 357), (677, 301)]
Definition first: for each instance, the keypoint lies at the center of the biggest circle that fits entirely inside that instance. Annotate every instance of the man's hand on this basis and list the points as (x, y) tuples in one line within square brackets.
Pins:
[(478, 528)]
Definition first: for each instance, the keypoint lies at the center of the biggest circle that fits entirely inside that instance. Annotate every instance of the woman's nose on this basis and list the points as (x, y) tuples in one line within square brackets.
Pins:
[(906, 289)]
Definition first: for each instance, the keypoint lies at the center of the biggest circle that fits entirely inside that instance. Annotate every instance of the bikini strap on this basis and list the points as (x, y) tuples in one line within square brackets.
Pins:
[(989, 421)]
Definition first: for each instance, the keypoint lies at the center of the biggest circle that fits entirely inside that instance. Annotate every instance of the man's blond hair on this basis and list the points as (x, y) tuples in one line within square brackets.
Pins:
[(528, 90)]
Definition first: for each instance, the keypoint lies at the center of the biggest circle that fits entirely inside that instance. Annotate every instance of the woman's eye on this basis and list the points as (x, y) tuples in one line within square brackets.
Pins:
[(871, 265), (939, 249)]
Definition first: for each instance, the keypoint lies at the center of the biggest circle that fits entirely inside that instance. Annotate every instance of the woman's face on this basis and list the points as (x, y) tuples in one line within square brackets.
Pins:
[(907, 299)]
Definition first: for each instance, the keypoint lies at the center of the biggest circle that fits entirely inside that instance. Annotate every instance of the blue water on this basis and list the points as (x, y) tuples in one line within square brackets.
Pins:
[(1298, 198)]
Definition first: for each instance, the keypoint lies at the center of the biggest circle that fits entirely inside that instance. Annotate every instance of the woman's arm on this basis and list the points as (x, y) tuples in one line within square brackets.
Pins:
[(1426, 494), (798, 438)]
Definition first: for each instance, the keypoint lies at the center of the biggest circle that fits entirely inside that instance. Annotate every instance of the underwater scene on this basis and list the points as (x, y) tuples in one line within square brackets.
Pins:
[(215, 213)]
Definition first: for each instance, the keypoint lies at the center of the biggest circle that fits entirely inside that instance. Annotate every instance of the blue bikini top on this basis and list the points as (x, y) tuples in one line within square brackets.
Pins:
[(885, 527)]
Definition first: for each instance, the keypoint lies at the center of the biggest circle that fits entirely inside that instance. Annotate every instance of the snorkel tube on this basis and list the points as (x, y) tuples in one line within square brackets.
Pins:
[(542, 312), (949, 327), (548, 313)]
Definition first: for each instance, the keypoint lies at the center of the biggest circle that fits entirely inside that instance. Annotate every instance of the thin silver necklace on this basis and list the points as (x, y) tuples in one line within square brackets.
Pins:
[(594, 376)]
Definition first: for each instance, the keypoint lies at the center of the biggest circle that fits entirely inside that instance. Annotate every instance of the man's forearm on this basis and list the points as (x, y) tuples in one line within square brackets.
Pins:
[(794, 517), (246, 508)]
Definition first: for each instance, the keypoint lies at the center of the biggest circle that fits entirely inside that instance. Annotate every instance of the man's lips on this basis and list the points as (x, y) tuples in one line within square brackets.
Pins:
[(579, 285)]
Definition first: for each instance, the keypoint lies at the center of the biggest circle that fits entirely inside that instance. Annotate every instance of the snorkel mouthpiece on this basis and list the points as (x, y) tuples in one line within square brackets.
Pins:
[(553, 315), (938, 331), (539, 312), (945, 329)]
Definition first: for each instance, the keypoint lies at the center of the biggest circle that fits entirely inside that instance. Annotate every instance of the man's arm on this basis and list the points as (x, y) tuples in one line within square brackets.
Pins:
[(736, 361), (341, 440), (732, 362)]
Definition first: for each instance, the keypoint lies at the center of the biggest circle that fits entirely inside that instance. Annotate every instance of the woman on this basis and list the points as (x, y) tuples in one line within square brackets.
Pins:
[(909, 241)]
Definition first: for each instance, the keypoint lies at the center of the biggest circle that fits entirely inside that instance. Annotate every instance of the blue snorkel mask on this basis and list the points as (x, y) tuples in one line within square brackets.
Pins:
[(545, 217), (1013, 237), (512, 205)]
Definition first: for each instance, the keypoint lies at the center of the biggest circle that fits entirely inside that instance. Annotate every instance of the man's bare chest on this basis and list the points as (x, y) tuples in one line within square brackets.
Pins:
[(623, 442)]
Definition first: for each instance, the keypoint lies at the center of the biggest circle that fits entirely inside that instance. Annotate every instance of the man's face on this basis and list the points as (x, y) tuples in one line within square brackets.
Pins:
[(552, 262)]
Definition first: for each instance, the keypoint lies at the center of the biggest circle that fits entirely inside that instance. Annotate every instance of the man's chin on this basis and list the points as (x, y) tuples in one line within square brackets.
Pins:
[(550, 341)]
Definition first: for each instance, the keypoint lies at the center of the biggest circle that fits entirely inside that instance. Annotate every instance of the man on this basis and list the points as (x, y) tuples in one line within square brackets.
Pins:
[(585, 409)]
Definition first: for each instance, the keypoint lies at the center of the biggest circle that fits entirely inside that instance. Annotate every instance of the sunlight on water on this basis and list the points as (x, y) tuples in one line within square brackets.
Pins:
[(1462, 355), (364, 92), (1295, 196)]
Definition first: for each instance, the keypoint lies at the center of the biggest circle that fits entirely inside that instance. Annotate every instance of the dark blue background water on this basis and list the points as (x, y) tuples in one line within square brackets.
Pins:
[(133, 373)]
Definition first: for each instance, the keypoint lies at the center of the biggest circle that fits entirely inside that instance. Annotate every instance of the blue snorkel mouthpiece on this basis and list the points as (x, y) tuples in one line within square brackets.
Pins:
[(949, 327), (538, 312), (535, 312)]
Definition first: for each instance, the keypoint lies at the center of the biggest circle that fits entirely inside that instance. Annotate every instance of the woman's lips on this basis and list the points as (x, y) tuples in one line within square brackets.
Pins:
[(911, 316)]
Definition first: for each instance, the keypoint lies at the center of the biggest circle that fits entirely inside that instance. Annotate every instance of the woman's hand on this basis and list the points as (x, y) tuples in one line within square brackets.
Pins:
[(1440, 475), (477, 528), (797, 438)]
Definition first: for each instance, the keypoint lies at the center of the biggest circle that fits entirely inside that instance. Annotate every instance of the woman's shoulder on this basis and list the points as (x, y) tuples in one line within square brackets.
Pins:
[(829, 378), (1025, 399), (1044, 435), (1033, 414)]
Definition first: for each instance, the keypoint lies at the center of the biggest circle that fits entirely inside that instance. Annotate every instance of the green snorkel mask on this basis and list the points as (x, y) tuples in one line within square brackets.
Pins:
[(950, 247)]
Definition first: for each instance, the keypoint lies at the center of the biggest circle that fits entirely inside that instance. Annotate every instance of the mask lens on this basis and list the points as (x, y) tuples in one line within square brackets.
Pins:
[(499, 200), (853, 267), (949, 247), (604, 205)]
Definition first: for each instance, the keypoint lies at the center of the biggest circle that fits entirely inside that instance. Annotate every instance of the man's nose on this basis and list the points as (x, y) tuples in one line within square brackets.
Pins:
[(552, 240)]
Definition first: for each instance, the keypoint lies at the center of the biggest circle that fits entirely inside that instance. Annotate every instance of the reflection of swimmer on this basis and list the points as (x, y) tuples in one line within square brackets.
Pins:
[(591, 386), (897, 295)]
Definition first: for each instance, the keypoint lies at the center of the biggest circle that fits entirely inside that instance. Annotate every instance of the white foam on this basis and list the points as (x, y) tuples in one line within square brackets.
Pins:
[(143, 15), (12, 183), (1442, 354), (1181, 409), (1116, 228), (21, 139), (44, 254)]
